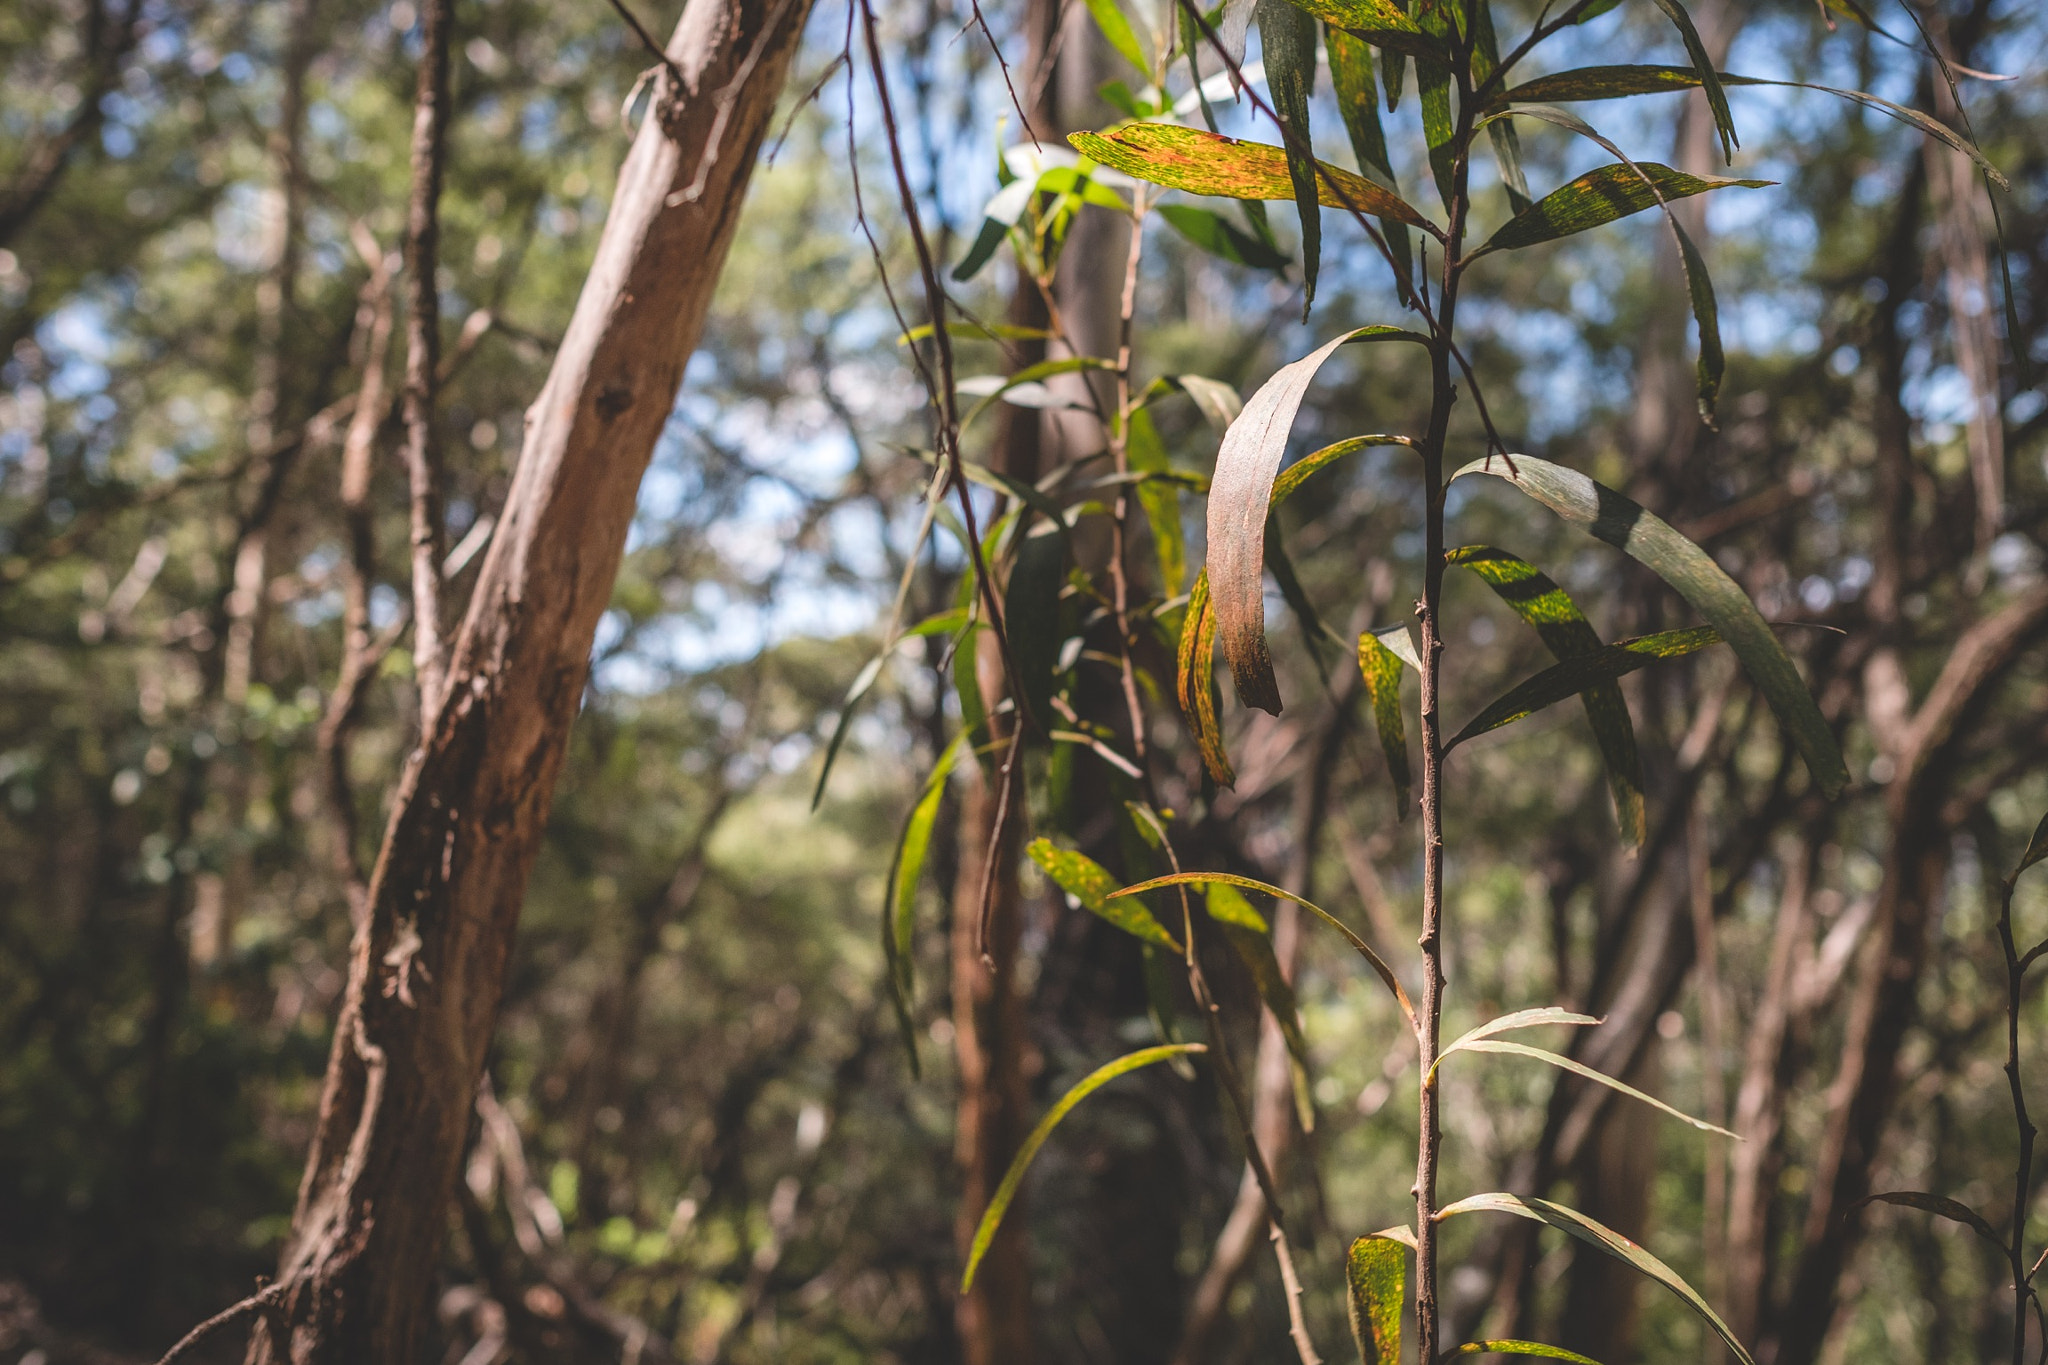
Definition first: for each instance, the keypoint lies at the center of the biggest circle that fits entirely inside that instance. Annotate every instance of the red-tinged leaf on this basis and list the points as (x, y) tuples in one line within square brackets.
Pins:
[(1197, 684), (1240, 496), (1209, 163)]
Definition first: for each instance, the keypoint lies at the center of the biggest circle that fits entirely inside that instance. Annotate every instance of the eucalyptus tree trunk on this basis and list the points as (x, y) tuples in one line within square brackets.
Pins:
[(429, 959)]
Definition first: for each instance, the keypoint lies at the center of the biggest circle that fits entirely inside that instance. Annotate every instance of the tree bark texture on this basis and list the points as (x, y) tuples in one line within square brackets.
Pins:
[(428, 961)]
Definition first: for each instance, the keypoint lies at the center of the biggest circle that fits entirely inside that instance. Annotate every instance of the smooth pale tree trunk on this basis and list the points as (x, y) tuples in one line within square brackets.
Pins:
[(429, 959)]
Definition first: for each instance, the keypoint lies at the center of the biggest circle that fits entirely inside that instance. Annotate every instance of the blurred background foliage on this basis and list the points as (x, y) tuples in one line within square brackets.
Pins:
[(701, 1139)]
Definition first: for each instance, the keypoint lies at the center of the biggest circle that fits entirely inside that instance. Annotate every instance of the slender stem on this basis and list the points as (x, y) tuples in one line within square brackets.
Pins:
[(423, 352), (1443, 394), (1119, 449), (2015, 970)]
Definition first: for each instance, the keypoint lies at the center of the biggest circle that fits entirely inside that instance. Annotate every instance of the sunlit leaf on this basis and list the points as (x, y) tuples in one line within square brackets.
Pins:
[(1220, 237), (1088, 882), (1601, 196), (1626, 525), (1509, 1347), (1287, 38), (985, 331), (1358, 101), (1567, 633), (1376, 1274), (1007, 1191), (1935, 1204), (1573, 676), (1575, 1224), (1217, 401), (1379, 966), (1208, 163), (1005, 385), (1240, 495), (1381, 669), (1508, 1023), (1298, 473), (1577, 1068), (1227, 905), (1196, 681), (1117, 30)]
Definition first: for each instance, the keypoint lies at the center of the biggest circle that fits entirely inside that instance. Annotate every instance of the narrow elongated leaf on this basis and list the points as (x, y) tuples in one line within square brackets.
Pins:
[(1221, 238), (983, 331), (1717, 98), (1376, 1273), (1003, 385), (1508, 1023), (1381, 23), (1248, 935), (1615, 82), (1117, 29), (1381, 669), (1953, 1210), (1209, 163), (1031, 610), (1516, 1348), (862, 681), (1314, 633), (899, 914), (1636, 531), (1575, 1224), (2037, 848), (1577, 1068), (1507, 147), (1568, 634), (1240, 495), (1161, 501), (1298, 473), (1601, 196), (1575, 675), (1217, 401), (1012, 1178), (1287, 37), (1197, 683), (1706, 314), (1433, 87), (1090, 883), (1358, 102), (1379, 966)]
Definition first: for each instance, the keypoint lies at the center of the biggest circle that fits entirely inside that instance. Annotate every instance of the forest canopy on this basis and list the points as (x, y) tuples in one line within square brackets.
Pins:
[(902, 680)]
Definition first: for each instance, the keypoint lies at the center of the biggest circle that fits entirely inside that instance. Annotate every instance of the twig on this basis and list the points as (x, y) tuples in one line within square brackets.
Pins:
[(422, 352), (262, 1300), (647, 41), (2023, 1174)]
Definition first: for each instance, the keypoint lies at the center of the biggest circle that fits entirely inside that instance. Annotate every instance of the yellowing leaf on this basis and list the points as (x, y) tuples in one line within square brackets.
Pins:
[(1090, 883)]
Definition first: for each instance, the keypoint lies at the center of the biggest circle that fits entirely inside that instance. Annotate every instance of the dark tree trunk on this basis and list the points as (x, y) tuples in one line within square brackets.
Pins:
[(429, 959)]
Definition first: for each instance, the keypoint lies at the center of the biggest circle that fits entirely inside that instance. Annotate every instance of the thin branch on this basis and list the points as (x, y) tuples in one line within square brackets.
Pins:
[(422, 353), (262, 1300)]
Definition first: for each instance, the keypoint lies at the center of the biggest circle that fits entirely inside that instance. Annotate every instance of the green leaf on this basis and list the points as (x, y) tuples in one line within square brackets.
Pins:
[(2037, 848), (1196, 681), (1240, 495), (862, 681), (1615, 82), (1575, 1224), (1379, 966), (1565, 630), (1601, 196), (1287, 37), (986, 331), (1358, 101), (1209, 163), (1438, 19), (1249, 937), (1516, 1348), (1376, 1273), (1298, 473), (1381, 669), (1031, 610), (1222, 238), (1935, 1204), (992, 1218), (1117, 29), (1703, 65), (1559, 1060), (983, 250), (1001, 386), (1629, 527), (1507, 148), (1706, 314), (1090, 883), (1581, 672), (899, 917), (1161, 501)]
